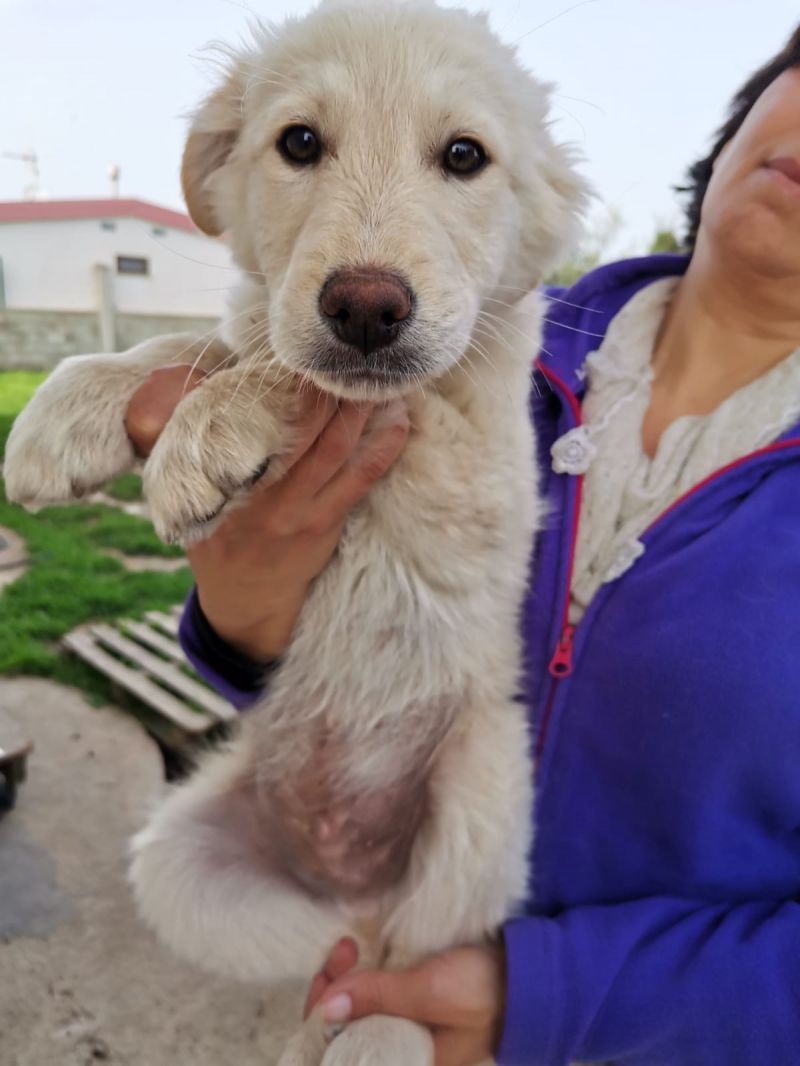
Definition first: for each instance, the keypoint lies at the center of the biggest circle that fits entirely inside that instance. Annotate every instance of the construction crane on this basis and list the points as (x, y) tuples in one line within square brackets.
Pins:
[(32, 190)]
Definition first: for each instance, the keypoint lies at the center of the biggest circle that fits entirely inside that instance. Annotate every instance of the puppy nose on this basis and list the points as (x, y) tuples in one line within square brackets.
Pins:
[(366, 309)]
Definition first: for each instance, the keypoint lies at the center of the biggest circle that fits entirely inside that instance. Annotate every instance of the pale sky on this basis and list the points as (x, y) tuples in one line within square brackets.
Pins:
[(641, 86)]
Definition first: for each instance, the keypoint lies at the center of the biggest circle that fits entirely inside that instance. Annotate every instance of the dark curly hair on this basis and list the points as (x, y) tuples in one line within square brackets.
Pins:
[(699, 175)]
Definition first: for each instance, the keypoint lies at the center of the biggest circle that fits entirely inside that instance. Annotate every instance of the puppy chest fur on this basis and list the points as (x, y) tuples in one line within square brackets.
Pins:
[(412, 625)]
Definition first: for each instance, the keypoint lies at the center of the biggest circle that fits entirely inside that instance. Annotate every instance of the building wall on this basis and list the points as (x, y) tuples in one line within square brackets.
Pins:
[(37, 340), (50, 265)]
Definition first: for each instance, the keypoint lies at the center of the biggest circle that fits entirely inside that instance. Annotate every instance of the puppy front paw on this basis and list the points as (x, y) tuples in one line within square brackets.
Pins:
[(219, 441), (307, 1046), (71, 437)]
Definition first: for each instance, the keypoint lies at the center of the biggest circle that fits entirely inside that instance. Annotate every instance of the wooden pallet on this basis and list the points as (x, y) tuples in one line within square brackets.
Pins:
[(145, 660)]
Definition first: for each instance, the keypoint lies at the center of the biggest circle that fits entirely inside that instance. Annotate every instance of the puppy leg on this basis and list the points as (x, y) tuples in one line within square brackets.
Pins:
[(205, 879), (468, 869), (215, 444), (469, 864), (381, 1041), (374, 1041), (71, 437), (308, 1045)]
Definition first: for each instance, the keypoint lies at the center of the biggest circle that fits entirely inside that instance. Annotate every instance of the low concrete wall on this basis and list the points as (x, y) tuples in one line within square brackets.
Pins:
[(37, 340)]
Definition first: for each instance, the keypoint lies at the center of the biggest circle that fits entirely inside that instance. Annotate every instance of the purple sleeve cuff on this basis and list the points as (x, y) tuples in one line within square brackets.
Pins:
[(234, 675), (533, 990)]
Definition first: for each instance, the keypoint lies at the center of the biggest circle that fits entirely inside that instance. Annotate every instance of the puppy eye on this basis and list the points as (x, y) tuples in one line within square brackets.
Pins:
[(299, 144), (464, 158)]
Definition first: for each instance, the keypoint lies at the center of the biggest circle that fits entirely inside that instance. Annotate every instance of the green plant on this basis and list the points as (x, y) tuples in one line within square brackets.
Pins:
[(126, 487), (70, 579), (16, 388), (665, 241)]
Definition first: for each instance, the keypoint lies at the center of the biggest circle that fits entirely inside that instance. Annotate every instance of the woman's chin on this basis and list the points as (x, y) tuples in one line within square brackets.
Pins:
[(753, 238)]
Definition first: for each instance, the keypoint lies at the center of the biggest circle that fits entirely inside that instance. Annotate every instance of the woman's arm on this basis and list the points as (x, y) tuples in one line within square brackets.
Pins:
[(237, 677), (655, 982)]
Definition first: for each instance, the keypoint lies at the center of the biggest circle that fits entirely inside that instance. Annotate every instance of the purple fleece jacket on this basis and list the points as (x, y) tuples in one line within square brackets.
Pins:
[(663, 927)]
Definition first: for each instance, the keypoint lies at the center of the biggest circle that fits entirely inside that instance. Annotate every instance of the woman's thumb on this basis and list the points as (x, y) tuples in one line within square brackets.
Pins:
[(152, 404), (402, 994)]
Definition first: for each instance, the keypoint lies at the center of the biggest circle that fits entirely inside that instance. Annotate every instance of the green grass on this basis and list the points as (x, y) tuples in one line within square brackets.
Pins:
[(70, 580), (106, 527), (16, 388), (126, 487)]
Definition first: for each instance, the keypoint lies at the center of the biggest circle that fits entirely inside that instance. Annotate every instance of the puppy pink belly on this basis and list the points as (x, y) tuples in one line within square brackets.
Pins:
[(350, 849)]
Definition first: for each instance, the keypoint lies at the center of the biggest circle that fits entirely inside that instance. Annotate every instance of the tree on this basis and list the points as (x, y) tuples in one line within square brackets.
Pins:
[(665, 241)]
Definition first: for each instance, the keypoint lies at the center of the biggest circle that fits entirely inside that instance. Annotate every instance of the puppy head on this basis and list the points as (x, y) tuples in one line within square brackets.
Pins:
[(381, 170)]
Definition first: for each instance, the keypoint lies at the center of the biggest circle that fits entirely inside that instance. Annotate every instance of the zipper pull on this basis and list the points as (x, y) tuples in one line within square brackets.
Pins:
[(561, 663)]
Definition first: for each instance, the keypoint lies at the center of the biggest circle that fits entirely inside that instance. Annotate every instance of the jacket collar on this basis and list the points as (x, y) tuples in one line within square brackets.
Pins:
[(577, 318)]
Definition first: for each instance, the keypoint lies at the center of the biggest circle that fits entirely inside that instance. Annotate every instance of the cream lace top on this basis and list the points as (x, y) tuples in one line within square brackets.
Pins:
[(624, 490)]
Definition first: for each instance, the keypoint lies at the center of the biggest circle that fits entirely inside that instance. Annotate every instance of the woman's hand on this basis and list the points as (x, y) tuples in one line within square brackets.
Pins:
[(253, 573), (459, 995)]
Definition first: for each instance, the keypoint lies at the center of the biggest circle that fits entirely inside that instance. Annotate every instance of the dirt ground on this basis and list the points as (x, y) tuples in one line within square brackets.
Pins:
[(81, 980)]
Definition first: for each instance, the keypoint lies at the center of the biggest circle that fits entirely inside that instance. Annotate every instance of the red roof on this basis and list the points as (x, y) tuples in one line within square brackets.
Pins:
[(64, 210)]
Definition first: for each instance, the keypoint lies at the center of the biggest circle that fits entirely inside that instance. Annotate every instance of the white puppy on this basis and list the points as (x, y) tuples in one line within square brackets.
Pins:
[(386, 177)]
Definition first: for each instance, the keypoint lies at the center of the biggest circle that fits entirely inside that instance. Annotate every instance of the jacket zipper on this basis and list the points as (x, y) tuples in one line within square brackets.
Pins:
[(561, 663)]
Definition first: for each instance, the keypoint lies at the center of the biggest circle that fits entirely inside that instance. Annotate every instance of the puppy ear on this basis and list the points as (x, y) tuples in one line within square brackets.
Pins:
[(212, 136), (570, 195), (554, 198)]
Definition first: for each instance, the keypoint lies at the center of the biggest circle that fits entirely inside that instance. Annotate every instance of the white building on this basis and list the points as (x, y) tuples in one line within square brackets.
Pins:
[(89, 275)]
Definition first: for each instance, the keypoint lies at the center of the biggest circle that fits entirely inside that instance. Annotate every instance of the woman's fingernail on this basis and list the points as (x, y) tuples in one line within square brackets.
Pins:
[(337, 1009)]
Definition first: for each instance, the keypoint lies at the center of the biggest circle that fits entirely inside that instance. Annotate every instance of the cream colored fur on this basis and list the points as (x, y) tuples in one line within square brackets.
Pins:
[(408, 645)]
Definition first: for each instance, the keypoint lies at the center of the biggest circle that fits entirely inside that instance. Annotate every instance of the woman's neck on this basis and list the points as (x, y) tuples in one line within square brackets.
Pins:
[(722, 331)]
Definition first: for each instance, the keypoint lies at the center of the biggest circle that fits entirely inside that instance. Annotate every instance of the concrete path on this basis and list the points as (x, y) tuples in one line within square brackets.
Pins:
[(81, 980)]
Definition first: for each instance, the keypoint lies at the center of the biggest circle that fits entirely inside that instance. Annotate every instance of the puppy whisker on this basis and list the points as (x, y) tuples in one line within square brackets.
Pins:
[(555, 18), (504, 323), (573, 329), (555, 299)]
